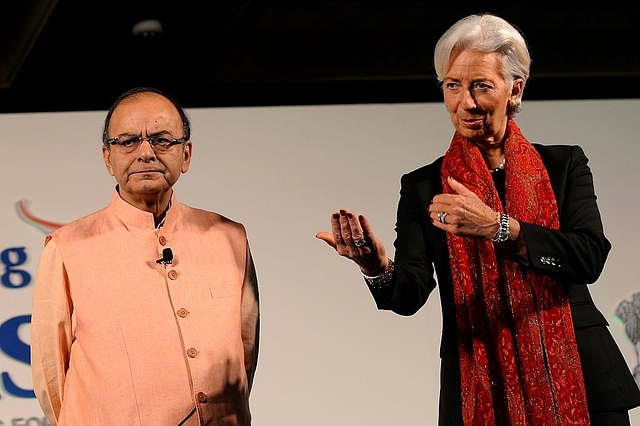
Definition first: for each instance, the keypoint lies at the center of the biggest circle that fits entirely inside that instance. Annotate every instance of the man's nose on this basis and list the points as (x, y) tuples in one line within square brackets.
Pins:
[(145, 150)]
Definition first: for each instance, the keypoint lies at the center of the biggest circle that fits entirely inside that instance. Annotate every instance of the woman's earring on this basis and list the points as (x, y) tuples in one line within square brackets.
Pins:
[(512, 103)]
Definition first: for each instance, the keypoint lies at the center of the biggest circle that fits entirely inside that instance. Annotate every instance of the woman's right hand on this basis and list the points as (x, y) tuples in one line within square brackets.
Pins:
[(353, 238)]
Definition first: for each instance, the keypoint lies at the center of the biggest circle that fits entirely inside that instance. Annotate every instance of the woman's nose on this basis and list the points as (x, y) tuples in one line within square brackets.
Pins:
[(467, 101)]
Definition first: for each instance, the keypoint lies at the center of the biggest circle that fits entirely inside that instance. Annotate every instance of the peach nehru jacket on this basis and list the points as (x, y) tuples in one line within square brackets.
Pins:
[(119, 339)]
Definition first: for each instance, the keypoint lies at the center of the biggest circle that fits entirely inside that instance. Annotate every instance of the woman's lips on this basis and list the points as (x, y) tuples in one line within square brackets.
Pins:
[(472, 122)]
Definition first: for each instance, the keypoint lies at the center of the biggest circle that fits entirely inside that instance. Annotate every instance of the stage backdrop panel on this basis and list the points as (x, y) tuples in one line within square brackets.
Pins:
[(328, 356)]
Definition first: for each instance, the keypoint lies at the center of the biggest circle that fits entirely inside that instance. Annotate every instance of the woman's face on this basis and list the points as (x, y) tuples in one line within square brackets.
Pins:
[(477, 97)]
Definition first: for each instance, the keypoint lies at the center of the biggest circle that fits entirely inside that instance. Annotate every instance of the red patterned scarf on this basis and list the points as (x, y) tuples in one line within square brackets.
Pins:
[(518, 356)]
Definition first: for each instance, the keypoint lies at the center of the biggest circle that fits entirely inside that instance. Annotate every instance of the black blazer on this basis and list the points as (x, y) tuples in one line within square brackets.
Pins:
[(576, 253)]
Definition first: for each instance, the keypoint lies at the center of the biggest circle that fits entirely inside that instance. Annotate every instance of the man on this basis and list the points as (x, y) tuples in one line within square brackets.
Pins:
[(146, 312)]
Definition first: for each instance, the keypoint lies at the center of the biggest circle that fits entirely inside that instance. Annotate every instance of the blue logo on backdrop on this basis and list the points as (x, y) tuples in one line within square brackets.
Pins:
[(14, 278)]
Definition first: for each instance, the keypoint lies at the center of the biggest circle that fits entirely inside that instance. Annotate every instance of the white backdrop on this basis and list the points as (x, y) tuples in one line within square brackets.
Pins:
[(327, 357)]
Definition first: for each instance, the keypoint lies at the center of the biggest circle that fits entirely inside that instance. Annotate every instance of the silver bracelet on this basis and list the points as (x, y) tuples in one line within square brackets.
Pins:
[(383, 280), (502, 234)]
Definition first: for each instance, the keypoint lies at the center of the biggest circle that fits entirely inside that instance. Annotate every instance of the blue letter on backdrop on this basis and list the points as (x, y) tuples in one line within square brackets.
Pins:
[(11, 257), (11, 345)]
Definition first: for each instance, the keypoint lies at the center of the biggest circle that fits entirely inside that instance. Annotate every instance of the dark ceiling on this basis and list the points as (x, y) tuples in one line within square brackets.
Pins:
[(78, 55)]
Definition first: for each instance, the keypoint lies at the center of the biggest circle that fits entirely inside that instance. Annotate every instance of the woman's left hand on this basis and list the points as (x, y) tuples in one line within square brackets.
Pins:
[(464, 213)]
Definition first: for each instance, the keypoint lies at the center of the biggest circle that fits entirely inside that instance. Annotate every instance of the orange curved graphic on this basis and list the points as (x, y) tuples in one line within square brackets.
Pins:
[(43, 225)]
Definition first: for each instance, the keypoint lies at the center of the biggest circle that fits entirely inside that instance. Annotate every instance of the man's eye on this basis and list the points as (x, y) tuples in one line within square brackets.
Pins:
[(161, 141), (128, 142)]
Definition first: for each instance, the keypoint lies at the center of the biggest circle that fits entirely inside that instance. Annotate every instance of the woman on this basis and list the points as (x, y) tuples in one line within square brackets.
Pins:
[(513, 232)]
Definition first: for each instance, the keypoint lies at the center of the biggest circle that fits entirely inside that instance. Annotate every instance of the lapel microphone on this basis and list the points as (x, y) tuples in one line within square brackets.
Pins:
[(167, 257)]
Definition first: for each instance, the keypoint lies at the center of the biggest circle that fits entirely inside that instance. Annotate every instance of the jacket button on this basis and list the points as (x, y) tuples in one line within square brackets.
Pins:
[(163, 240), (182, 313), (202, 397), (172, 274), (192, 352)]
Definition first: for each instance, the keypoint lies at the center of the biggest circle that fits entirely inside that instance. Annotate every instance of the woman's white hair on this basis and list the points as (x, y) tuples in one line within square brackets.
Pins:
[(489, 34)]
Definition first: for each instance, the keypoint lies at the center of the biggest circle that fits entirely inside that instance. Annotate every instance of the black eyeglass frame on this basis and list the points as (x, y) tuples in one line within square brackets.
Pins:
[(154, 141)]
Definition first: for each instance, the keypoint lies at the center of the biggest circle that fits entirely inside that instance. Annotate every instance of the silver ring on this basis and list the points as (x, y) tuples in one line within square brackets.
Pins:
[(360, 243), (442, 216)]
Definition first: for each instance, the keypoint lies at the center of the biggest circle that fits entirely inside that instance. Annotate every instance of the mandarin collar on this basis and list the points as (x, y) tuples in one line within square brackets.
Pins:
[(132, 215)]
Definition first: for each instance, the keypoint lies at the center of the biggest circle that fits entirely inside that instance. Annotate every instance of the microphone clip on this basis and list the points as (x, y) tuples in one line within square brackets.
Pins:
[(167, 257)]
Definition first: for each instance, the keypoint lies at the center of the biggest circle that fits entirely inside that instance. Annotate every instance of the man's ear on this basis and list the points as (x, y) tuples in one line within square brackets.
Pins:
[(188, 151), (106, 156)]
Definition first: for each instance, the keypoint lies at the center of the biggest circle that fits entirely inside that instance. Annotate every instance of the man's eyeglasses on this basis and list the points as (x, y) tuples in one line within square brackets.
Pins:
[(160, 144)]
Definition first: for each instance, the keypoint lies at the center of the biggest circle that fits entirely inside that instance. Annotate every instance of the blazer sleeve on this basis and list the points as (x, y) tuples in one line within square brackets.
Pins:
[(414, 254), (578, 251)]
